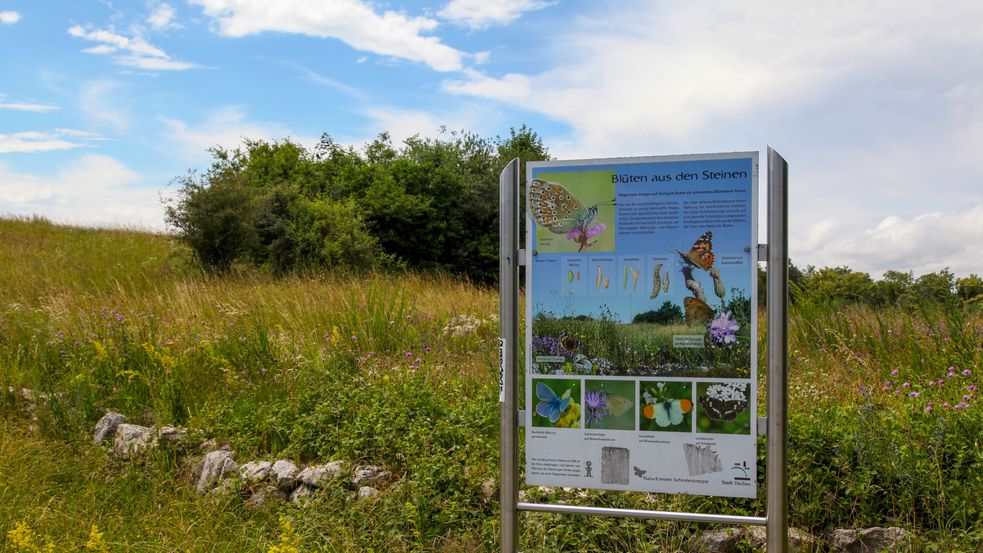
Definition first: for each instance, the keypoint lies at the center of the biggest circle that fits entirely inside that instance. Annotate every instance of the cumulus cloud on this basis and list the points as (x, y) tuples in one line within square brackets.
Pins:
[(162, 17), (664, 73), (90, 190), (9, 17), (921, 244), (133, 51), (481, 14), (36, 141), (352, 21), (226, 127)]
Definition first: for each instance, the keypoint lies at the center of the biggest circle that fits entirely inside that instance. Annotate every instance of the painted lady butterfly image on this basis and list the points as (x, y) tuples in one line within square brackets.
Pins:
[(701, 254)]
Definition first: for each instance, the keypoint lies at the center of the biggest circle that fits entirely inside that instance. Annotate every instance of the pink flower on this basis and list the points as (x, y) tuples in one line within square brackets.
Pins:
[(579, 233), (894, 372), (914, 394), (967, 397), (967, 372), (971, 388), (409, 354), (906, 385), (950, 375)]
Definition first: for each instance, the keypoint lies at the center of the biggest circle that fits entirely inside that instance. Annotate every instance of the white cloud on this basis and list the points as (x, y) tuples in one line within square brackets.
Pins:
[(26, 106), (662, 73), (36, 141), (91, 190), (481, 14), (9, 17), (162, 17), (225, 127), (405, 123), (921, 244), (133, 51), (103, 106), (352, 21)]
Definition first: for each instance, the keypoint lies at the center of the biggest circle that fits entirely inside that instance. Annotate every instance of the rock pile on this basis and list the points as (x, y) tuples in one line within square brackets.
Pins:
[(217, 470)]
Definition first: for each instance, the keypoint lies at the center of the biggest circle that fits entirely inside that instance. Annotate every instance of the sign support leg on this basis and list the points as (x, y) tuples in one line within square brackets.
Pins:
[(777, 306), (508, 281)]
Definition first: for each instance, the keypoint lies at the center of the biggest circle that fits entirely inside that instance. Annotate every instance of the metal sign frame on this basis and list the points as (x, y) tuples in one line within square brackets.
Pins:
[(775, 254)]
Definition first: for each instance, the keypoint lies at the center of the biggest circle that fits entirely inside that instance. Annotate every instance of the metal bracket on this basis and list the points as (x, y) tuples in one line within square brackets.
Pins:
[(762, 252), (520, 419), (520, 257), (762, 426)]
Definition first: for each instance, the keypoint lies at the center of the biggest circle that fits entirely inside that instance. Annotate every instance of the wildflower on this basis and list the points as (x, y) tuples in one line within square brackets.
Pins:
[(940, 382), (961, 405), (971, 388), (906, 385), (929, 406), (967, 372), (894, 372), (354, 337), (945, 405), (597, 407), (950, 375), (914, 394), (967, 397), (723, 329), (897, 392), (581, 235), (418, 360), (409, 354)]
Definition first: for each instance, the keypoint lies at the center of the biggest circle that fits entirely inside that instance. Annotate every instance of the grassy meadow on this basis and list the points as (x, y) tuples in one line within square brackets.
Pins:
[(400, 371)]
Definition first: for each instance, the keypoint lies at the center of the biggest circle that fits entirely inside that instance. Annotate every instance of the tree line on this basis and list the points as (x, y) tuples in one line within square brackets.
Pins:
[(427, 204)]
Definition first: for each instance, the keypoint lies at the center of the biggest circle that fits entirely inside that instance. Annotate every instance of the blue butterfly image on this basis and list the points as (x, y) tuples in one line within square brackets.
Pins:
[(551, 405)]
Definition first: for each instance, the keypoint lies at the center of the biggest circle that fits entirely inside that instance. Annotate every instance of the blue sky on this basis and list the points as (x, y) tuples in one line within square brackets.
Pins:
[(878, 105)]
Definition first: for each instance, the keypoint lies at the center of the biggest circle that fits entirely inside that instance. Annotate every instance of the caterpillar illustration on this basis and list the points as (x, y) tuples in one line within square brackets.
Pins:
[(656, 281)]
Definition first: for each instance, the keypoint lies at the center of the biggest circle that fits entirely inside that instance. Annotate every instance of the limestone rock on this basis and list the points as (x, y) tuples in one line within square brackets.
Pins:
[(217, 466), (720, 540), (489, 489), (367, 491), (798, 540), (369, 475), (302, 494), (133, 440), (285, 475), (319, 476), (106, 427), (170, 436), (264, 495), (255, 471), (865, 540)]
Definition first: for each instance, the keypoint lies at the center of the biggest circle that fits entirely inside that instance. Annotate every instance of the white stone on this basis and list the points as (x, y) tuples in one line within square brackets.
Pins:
[(106, 427), (865, 540), (369, 475), (367, 491), (255, 471), (168, 435), (302, 494), (285, 475), (133, 440), (217, 466), (319, 476)]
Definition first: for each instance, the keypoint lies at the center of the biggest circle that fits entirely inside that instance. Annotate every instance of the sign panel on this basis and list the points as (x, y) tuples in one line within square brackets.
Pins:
[(641, 324)]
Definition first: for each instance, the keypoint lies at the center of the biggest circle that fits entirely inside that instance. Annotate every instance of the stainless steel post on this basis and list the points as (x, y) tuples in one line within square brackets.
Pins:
[(508, 282), (777, 298)]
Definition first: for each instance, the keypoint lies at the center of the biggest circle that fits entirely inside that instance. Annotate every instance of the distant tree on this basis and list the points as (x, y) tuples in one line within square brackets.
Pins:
[(891, 287), (839, 284), (930, 288), (970, 289), (215, 219), (668, 313)]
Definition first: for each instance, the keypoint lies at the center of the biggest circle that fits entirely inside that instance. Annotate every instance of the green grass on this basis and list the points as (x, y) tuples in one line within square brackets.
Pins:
[(369, 368)]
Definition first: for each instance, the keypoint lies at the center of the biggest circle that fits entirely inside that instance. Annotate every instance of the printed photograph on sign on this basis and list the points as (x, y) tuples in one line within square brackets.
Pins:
[(609, 404), (666, 406), (573, 212), (557, 403), (723, 408)]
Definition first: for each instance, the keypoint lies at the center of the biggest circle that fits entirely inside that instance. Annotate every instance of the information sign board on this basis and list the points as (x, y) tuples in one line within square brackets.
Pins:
[(641, 324)]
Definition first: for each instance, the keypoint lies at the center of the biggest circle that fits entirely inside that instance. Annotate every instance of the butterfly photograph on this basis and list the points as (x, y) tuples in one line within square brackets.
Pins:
[(723, 408), (573, 212), (557, 403), (700, 255), (666, 406), (609, 404)]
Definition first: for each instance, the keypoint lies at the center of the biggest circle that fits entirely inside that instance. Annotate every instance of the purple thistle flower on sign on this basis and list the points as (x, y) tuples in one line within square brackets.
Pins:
[(597, 407), (723, 329)]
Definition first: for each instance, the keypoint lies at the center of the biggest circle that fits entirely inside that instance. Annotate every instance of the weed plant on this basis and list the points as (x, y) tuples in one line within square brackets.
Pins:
[(401, 371)]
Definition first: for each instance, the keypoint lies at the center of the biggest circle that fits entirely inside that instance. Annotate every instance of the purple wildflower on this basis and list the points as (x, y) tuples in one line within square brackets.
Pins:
[(597, 407), (906, 385), (914, 394), (971, 388), (894, 372), (723, 329), (967, 372)]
